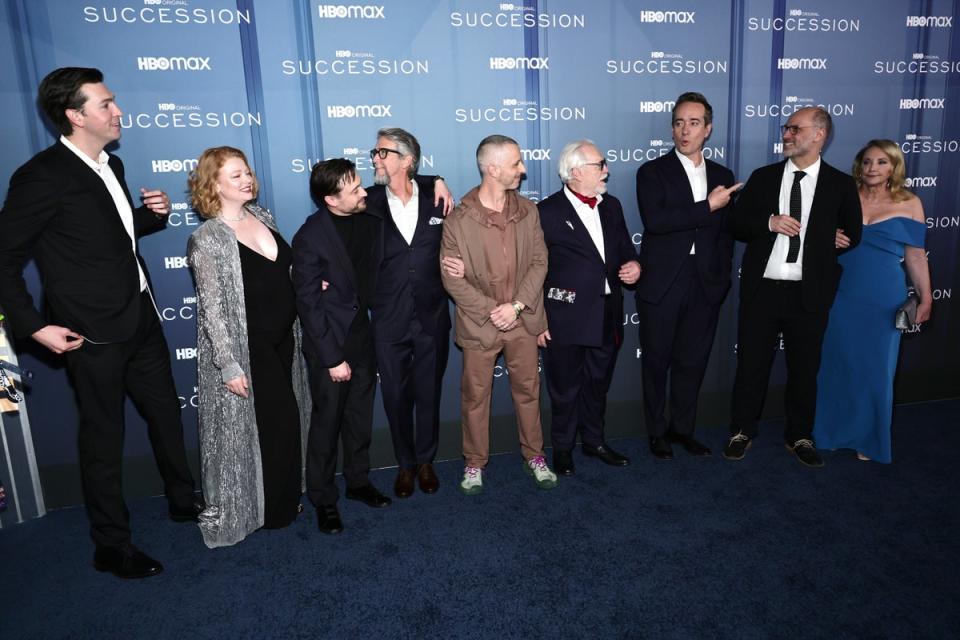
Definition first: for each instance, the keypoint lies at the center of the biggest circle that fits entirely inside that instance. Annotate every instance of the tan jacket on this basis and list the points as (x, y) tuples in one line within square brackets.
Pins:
[(473, 294)]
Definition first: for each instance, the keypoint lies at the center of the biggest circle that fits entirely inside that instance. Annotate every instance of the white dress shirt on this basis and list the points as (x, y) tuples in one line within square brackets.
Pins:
[(405, 215), (777, 266), (102, 168), (591, 220), (697, 176)]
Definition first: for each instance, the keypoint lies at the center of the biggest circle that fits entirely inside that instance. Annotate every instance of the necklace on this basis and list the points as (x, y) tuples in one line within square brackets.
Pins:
[(242, 216)]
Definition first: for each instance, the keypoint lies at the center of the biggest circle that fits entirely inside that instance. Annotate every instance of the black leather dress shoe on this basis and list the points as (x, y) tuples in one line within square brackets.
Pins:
[(563, 462), (125, 561), (689, 443), (427, 477), (368, 495), (606, 454), (403, 487), (328, 519), (660, 448), (189, 513)]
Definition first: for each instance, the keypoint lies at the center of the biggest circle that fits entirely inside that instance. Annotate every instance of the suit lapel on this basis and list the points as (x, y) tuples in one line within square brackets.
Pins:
[(606, 225), (572, 219), (339, 250), (423, 216), (94, 185), (679, 176)]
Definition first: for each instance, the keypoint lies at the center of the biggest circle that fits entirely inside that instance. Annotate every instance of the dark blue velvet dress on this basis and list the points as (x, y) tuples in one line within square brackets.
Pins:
[(860, 348)]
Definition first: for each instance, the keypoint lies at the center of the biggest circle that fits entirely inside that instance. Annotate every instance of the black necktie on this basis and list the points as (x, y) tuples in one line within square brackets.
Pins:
[(794, 251)]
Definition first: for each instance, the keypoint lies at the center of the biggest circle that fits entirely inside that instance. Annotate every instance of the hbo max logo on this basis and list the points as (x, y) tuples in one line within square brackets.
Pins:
[(668, 17), (359, 111), (802, 63), (923, 103), (353, 11), (929, 21), (499, 63), (173, 166), (178, 63), (653, 106)]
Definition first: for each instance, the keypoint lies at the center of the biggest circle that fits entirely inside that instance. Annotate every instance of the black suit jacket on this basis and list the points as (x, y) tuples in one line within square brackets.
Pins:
[(836, 204), (318, 255), (59, 211), (673, 222), (574, 264), (408, 281)]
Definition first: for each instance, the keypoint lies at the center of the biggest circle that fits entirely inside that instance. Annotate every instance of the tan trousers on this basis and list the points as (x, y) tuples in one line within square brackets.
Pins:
[(520, 353)]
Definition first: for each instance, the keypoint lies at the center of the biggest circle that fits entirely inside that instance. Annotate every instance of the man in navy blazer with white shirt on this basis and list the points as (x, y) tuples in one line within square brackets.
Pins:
[(590, 254), (411, 317), (686, 257)]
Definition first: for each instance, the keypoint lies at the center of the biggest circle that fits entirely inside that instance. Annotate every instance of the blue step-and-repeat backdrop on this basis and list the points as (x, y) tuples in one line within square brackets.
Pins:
[(295, 81)]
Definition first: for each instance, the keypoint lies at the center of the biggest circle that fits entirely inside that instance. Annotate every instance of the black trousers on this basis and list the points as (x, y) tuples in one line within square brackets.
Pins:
[(102, 374), (676, 336), (578, 379), (775, 308), (341, 410), (278, 424), (411, 375)]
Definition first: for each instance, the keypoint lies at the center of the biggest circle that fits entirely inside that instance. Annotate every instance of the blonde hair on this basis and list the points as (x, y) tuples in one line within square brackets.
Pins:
[(203, 180), (897, 176)]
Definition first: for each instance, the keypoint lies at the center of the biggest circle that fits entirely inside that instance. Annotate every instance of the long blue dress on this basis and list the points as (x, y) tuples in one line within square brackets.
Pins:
[(860, 347)]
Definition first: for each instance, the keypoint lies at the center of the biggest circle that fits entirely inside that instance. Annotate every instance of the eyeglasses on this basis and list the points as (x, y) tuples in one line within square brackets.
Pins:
[(794, 129), (600, 165), (382, 152)]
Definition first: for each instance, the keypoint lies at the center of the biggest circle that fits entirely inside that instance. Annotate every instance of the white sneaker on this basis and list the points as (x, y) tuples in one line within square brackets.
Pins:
[(472, 482), (537, 467)]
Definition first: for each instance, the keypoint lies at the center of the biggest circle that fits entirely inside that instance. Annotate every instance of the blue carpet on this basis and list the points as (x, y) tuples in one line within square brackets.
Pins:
[(692, 548)]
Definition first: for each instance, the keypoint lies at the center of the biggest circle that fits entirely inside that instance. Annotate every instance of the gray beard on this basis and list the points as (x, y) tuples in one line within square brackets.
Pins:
[(381, 179)]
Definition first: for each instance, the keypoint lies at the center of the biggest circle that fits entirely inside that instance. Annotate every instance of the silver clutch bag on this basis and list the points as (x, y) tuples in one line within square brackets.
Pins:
[(906, 315)]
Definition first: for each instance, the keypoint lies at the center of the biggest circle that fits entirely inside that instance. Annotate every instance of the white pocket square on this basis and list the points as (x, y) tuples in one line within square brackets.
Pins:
[(569, 224), (436, 220)]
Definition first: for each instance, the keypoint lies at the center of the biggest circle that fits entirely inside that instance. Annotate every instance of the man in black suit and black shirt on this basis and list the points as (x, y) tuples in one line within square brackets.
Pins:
[(69, 208), (788, 214), (335, 258), (686, 256)]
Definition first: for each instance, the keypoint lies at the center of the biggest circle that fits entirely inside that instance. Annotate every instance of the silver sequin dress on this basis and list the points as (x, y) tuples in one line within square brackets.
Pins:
[(229, 446)]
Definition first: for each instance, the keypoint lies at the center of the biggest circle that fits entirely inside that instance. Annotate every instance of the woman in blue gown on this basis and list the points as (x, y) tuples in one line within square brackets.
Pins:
[(861, 345)]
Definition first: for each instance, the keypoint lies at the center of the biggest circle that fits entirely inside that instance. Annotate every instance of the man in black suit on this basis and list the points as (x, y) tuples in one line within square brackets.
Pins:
[(686, 256), (335, 258), (69, 208), (411, 318), (590, 253), (788, 215)]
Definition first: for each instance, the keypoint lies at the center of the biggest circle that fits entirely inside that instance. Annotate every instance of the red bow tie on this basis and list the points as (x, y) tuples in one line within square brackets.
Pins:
[(591, 201)]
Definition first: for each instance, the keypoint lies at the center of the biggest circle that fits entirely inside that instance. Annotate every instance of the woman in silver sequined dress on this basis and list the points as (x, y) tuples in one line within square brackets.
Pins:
[(253, 398)]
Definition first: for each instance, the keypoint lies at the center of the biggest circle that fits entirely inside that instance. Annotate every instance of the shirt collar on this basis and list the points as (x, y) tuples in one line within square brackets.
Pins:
[(688, 163), (392, 196), (812, 171), (97, 165), (576, 202)]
